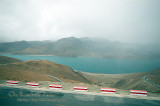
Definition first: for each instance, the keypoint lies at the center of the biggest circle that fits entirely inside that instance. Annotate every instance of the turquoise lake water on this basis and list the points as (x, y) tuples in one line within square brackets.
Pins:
[(97, 65), (24, 97)]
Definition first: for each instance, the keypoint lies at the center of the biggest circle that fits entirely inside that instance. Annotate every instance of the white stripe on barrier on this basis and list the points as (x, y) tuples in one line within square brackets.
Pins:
[(12, 82), (80, 88), (54, 86), (108, 90), (138, 92), (32, 84)]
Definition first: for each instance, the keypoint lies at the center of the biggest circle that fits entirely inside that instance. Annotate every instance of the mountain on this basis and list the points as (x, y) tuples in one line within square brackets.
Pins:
[(13, 47), (82, 47)]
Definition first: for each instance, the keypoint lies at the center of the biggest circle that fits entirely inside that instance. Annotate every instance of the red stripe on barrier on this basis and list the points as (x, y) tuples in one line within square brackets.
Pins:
[(12, 82), (32, 84), (138, 92), (80, 88), (107, 91), (55, 86)]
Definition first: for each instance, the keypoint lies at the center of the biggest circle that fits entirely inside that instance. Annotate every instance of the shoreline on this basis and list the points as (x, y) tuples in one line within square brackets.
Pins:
[(76, 92), (26, 54)]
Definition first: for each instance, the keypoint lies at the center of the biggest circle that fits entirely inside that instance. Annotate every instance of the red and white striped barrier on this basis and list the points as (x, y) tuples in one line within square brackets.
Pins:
[(138, 92), (12, 82), (32, 84), (108, 90), (80, 88), (54, 86)]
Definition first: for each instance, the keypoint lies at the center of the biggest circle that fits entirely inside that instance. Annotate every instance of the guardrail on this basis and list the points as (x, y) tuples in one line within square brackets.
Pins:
[(80, 88)]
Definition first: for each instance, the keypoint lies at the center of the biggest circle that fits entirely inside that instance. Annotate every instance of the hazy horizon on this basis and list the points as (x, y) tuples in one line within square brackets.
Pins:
[(130, 21)]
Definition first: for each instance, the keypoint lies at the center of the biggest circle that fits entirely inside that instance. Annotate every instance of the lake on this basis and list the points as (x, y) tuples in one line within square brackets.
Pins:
[(25, 97), (97, 65)]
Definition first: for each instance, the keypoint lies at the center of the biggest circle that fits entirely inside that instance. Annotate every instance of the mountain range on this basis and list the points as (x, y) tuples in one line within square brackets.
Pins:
[(82, 47)]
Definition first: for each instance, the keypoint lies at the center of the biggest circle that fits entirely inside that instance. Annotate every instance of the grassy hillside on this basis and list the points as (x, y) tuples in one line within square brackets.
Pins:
[(22, 75), (154, 76), (125, 81), (38, 70), (6, 60)]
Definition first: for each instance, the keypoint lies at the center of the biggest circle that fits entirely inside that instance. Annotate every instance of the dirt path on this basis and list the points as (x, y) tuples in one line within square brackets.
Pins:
[(55, 78), (151, 83)]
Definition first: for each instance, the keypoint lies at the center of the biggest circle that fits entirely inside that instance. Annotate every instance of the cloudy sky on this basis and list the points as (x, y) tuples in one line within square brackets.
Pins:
[(136, 21)]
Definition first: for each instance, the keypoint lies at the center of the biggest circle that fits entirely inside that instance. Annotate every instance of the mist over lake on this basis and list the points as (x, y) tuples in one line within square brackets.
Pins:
[(97, 65)]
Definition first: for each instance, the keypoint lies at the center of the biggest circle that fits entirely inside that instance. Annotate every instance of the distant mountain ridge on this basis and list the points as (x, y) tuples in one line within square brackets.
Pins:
[(82, 47)]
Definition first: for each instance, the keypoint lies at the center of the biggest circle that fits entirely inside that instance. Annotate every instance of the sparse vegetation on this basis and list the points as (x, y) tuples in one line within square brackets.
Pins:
[(123, 81), (39, 71), (7, 60)]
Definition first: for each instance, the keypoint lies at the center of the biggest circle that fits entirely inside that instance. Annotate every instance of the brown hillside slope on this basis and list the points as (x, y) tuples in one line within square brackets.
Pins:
[(22, 75), (39, 68), (154, 76), (38, 71), (6, 60), (122, 81)]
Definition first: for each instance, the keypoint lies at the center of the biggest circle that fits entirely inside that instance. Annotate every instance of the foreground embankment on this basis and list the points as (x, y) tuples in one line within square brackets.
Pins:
[(68, 88)]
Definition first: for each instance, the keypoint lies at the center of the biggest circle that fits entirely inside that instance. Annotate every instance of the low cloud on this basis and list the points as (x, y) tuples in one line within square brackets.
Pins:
[(134, 21)]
